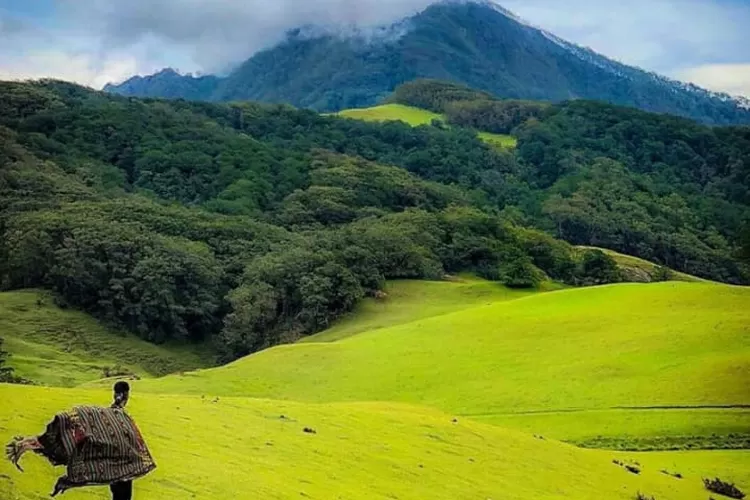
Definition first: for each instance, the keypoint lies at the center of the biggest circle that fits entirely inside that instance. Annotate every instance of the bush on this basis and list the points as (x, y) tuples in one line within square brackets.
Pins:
[(116, 371), (520, 273), (723, 488), (662, 273), (641, 496), (598, 268)]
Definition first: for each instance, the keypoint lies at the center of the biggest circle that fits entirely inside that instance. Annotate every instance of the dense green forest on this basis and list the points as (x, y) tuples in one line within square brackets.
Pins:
[(250, 225), (656, 186)]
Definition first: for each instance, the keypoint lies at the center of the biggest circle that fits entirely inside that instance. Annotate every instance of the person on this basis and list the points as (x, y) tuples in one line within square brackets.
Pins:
[(99, 446), (121, 490)]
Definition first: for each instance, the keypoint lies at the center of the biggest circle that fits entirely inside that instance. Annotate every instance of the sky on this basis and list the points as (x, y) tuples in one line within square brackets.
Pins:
[(94, 42)]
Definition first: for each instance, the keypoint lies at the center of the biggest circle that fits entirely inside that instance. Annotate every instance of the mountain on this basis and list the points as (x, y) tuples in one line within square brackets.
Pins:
[(169, 84), (476, 43)]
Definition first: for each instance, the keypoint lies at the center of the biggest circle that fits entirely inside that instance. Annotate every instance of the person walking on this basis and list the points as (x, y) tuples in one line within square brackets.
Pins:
[(99, 446)]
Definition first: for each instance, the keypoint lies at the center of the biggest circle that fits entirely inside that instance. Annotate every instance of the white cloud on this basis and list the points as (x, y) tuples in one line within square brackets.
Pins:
[(657, 35), (218, 33), (81, 67), (731, 78), (95, 41)]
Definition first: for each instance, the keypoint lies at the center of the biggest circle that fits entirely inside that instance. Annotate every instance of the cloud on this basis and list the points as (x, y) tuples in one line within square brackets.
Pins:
[(659, 35), (78, 67), (731, 78), (94, 41), (218, 33)]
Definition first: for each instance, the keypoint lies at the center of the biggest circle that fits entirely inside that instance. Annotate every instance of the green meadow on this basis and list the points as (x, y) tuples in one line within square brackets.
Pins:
[(409, 300), (415, 117), (440, 390), (250, 448), (639, 351), (393, 112), (54, 346)]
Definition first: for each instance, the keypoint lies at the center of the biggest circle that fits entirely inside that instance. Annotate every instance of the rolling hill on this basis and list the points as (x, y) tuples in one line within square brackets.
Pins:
[(625, 367), (645, 366), (477, 43), (57, 347), (405, 301), (209, 448)]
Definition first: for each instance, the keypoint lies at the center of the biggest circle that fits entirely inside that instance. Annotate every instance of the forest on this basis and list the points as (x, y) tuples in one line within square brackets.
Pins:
[(249, 225)]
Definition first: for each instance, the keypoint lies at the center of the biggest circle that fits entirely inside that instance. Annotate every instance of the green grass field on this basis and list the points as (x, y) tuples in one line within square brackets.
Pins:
[(500, 141), (415, 117), (393, 112), (244, 448), (410, 300), (52, 346), (442, 390), (629, 347)]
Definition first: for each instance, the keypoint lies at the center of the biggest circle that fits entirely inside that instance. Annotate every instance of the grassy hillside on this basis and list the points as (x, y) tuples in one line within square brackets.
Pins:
[(640, 269), (640, 351), (409, 300), (244, 448), (500, 141), (53, 346), (387, 112), (415, 117)]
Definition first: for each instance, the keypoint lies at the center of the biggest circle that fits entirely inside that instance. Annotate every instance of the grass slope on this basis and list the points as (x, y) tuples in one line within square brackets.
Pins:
[(52, 346), (499, 141), (411, 300), (618, 348), (635, 267), (243, 448), (415, 117), (393, 112)]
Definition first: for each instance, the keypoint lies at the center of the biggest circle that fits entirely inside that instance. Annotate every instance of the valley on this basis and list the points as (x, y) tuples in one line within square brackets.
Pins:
[(447, 295)]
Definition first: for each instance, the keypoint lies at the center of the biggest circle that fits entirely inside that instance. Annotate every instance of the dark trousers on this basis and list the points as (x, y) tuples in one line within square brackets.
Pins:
[(122, 491)]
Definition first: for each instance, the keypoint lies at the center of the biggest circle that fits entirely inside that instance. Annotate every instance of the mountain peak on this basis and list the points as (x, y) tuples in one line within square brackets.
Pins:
[(475, 42)]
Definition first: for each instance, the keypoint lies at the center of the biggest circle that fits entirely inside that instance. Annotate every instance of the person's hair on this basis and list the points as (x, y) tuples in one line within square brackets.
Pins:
[(122, 393), (122, 387)]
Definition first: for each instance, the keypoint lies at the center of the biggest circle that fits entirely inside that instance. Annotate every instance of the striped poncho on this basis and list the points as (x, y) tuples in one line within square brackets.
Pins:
[(98, 445)]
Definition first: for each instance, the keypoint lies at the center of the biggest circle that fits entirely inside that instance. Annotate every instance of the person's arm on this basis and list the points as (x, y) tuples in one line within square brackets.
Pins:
[(18, 446)]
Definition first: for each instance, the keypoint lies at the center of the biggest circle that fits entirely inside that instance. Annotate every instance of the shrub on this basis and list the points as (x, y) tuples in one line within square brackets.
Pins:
[(116, 371), (633, 469), (641, 496), (662, 273), (723, 488)]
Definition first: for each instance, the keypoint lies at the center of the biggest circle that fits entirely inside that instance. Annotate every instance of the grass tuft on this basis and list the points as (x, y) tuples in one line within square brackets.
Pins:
[(723, 488)]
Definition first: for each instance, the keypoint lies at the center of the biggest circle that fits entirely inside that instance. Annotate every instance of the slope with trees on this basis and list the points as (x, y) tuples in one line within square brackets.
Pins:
[(250, 225), (659, 187), (226, 223)]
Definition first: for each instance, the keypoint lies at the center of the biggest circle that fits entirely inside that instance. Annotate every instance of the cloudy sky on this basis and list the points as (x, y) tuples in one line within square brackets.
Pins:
[(97, 41)]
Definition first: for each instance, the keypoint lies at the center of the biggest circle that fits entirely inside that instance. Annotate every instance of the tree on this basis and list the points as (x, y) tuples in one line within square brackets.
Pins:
[(599, 268), (745, 249), (662, 273)]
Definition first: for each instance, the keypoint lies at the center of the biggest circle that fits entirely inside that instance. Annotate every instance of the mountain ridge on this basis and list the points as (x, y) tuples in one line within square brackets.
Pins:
[(476, 43)]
